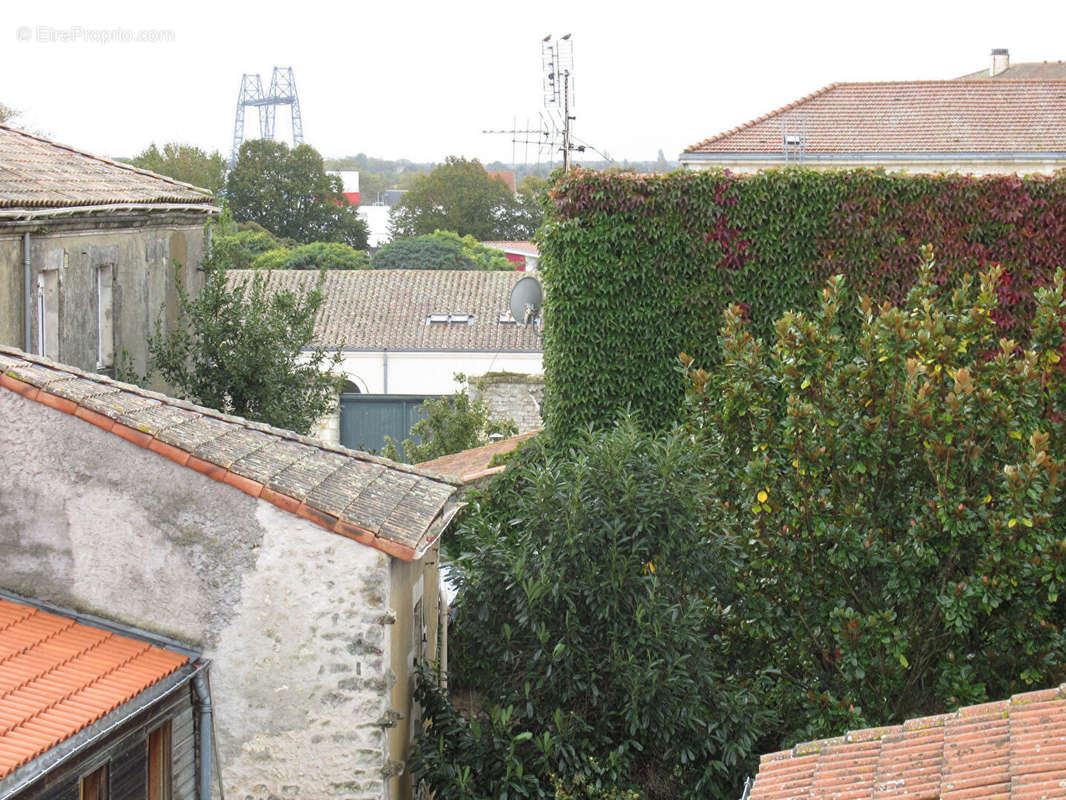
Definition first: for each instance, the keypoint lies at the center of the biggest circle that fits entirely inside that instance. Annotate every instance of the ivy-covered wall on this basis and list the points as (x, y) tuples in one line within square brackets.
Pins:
[(640, 267)]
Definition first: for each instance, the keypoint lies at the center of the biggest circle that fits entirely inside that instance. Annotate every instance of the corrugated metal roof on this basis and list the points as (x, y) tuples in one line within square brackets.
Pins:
[(58, 676), (1011, 749), (378, 309), (978, 116), (389, 506), (38, 173)]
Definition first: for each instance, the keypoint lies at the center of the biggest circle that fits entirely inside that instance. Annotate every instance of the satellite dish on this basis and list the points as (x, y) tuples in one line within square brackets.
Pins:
[(526, 300)]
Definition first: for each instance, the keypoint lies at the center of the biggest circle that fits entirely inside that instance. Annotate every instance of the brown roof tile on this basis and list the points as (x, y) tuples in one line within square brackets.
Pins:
[(909, 117), (471, 465), (58, 676), (400, 509), (1009, 749), (378, 309), (35, 172)]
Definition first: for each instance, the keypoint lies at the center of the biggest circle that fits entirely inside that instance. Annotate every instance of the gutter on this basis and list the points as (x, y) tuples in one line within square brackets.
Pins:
[(206, 728), (29, 214), (778, 156)]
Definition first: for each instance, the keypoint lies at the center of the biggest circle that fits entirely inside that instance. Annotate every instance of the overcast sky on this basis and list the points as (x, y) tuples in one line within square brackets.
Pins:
[(422, 80)]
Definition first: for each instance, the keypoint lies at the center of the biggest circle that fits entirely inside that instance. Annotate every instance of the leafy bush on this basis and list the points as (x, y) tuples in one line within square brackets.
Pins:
[(638, 268), (440, 250), (316, 255), (449, 425), (592, 601), (898, 494), (239, 249)]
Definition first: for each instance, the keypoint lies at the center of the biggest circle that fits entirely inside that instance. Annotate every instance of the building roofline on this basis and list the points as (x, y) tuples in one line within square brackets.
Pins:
[(43, 381), (110, 162), (918, 155)]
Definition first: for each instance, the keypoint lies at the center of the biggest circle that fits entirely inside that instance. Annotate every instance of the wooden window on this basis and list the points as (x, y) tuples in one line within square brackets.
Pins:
[(48, 313), (159, 766), (94, 785), (105, 326)]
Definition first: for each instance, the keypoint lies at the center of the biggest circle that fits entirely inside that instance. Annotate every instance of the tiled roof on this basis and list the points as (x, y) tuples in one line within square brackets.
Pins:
[(58, 676), (989, 116), (476, 463), (1030, 71), (392, 507), (36, 172), (1009, 749), (377, 309), (529, 248)]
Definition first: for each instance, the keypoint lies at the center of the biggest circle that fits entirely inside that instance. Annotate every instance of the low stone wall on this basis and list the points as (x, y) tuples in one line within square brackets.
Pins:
[(511, 395)]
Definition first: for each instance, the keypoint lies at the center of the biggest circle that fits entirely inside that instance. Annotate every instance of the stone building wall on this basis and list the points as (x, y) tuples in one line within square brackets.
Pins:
[(296, 621), (513, 396)]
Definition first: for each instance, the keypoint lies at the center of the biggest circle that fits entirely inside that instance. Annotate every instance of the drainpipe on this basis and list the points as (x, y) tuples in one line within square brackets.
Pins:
[(203, 695), (27, 327), (385, 371), (442, 624)]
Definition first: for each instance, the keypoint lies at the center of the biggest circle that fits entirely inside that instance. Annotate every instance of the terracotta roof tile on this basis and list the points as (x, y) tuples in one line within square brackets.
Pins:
[(394, 507), (374, 309), (471, 465), (58, 676), (1007, 749), (989, 116), (35, 172)]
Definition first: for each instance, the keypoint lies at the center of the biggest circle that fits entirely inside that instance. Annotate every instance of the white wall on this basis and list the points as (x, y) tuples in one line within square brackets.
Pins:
[(377, 222), (429, 373)]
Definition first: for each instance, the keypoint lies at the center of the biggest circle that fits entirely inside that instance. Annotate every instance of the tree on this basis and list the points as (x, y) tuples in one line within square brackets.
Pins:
[(316, 255), (458, 196), (449, 425), (899, 491), (440, 250), (590, 606), (522, 220), (245, 349), (289, 193), (8, 115), (186, 163)]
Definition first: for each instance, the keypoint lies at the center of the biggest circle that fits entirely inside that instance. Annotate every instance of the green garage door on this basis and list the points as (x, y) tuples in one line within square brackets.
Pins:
[(366, 419)]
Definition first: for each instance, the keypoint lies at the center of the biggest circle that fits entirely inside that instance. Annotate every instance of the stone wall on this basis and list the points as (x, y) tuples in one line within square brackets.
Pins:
[(141, 256), (296, 621), (513, 396)]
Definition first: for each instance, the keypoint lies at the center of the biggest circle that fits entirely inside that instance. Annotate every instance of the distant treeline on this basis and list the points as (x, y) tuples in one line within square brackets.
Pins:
[(378, 174)]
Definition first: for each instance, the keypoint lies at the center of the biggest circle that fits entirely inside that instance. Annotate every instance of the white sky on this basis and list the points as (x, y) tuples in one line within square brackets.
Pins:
[(421, 80)]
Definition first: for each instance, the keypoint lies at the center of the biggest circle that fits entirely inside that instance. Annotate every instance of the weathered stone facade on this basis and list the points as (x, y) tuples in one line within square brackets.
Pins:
[(308, 632), (512, 396), (70, 256)]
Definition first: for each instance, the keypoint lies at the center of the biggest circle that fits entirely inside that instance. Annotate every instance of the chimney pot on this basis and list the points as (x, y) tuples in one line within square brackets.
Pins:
[(1000, 61)]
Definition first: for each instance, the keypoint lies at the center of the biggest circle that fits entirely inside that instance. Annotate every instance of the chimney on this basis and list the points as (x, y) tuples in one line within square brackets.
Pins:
[(1000, 61)]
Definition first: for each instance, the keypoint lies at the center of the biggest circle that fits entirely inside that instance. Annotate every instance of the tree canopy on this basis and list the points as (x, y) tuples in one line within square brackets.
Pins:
[(245, 349), (183, 162), (316, 255), (458, 196), (440, 250), (899, 491), (289, 193)]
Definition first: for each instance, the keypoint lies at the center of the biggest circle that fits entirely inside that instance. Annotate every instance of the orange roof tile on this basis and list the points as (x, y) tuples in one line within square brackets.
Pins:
[(1009, 749), (976, 116), (471, 465), (58, 676)]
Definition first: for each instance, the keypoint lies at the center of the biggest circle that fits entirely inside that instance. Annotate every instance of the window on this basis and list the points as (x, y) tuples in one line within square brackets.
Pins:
[(94, 785), (105, 326), (48, 313), (159, 766)]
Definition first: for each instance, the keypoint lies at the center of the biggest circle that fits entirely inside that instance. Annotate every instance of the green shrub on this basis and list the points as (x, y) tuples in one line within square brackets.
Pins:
[(440, 250), (894, 474), (592, 601), (316, 255)]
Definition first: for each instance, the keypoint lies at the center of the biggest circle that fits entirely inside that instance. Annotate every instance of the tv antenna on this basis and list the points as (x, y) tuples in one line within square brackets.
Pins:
[(557, 58), (527, 299), (282, 93)]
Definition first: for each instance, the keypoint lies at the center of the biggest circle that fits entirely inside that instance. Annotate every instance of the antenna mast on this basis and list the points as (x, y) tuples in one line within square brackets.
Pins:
[(282, 93), (557, 57)]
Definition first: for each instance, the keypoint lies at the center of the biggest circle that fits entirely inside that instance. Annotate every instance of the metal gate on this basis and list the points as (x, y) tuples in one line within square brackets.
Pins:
[(366, 419)]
